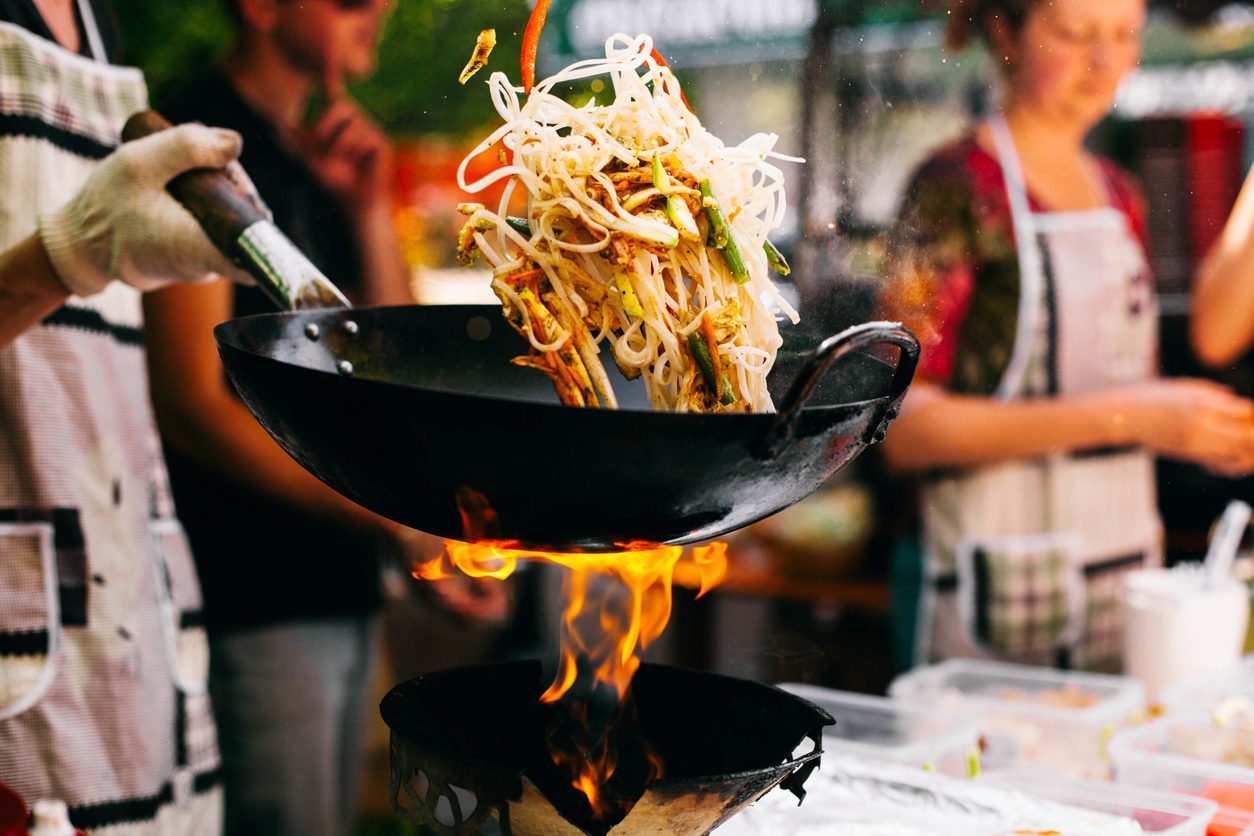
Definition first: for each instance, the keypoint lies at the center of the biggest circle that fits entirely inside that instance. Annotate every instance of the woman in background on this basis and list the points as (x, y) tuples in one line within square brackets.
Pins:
[(1019, 261)]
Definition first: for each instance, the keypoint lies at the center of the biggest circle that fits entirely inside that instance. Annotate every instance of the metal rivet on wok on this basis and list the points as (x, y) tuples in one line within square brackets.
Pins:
[(350, 327), (345, 367), (312, 331)]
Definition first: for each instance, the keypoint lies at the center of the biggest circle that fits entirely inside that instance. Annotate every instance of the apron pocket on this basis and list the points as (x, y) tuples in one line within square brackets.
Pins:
[(1021, 595), (30, 619), (187, 643)]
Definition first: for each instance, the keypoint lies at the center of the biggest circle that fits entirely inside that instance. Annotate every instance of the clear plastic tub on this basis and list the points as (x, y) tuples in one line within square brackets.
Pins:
[(1193, 756), (1230, 690), (895, 730), (1157, 812), (1056, 720)]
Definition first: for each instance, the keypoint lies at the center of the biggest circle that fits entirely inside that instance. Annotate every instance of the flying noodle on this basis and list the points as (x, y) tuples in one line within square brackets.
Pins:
[(643, 231)]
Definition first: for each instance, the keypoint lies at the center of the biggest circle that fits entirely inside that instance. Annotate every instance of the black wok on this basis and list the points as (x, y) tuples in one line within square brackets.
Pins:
[(408, 409), (433, 409)]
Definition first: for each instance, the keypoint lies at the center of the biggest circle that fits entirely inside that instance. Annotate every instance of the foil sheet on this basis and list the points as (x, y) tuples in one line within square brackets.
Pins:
[(857, 797)]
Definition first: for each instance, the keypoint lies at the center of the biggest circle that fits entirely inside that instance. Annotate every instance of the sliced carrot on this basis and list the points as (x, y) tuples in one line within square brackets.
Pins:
[(531, 43)]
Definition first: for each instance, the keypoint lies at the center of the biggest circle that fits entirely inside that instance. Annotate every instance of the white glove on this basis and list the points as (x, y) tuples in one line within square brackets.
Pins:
[(124, 225)]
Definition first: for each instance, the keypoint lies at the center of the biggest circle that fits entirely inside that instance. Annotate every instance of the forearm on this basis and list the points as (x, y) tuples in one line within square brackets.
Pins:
[(937, 429), (29, 288), (219, 434), (1222, 323), (387, 277)]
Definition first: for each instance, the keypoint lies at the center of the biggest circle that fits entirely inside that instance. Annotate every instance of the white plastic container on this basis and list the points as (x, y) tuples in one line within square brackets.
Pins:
[(1157, 812), (1204, 695), (1056, 720), (1194, 756), (895, 730)]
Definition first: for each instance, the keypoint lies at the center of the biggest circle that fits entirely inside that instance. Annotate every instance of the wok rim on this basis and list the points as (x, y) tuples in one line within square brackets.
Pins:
[(223, 331), (822, 717)]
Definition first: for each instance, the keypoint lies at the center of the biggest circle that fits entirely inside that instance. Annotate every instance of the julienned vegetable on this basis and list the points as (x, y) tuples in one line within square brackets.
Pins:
[(531, 43)]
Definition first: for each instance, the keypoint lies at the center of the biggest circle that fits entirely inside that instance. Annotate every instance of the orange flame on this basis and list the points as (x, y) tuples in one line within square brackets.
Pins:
[(617, 604)]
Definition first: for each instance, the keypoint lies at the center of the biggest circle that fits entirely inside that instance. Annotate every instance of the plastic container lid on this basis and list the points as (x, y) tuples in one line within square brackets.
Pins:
[(1156, 811), (913, 734), (1025, 689), (1059, 720)]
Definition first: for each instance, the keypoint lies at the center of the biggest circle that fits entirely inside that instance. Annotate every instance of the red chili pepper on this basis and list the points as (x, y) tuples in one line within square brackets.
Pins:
[(661, 62), (531, 43)]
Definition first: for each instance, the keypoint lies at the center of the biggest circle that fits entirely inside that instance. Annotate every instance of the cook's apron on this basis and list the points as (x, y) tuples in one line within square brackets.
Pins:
[(1024, 558), (102, 654)]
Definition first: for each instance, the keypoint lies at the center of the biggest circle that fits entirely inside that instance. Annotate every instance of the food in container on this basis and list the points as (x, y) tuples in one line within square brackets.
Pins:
[(1193, 755), (1157, 812), (1057, 720)]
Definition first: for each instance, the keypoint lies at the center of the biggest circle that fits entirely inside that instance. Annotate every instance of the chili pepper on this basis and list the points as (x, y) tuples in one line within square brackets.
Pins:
[(661, 62), (531, 43), (520, 225), (719, 234), (775, 259), (721, 237), (735, 264)]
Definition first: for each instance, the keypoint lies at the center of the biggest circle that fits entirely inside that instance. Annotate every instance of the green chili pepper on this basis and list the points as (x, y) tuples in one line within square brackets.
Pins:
[(736, 264), (721, 237), (701, 351), (520, 225), (719, 234), (775, 259)]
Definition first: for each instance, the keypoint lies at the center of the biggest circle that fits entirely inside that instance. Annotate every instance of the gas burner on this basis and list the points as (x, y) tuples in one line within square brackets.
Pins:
[(469, 752)]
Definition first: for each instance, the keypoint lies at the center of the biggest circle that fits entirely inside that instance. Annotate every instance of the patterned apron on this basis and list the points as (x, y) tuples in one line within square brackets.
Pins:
[(1024, 559), (103, 655)]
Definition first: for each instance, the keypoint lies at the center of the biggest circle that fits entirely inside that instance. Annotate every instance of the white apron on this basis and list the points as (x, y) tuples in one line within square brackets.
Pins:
[(103, 656), (1024, 559)]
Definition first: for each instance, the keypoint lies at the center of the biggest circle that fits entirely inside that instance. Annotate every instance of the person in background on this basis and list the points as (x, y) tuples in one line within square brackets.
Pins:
[(1019, 261), (291, 570), (102, 664)]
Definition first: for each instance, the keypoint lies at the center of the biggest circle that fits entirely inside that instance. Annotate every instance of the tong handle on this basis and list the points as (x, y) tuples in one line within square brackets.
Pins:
[(221, 207), (242, 231)]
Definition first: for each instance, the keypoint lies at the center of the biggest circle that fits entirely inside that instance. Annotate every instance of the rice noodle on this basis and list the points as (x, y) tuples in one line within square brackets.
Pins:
[(598, 238)]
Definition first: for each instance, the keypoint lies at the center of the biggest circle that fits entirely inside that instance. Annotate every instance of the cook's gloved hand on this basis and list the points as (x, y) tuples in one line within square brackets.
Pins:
[(124, 225)]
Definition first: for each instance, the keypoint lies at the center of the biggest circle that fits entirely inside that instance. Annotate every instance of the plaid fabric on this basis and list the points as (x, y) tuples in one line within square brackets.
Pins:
[(1102, 647), (1023, 600), (42, 82)]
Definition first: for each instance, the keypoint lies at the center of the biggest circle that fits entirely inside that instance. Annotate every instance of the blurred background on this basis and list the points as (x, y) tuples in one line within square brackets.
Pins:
[(863, 90)]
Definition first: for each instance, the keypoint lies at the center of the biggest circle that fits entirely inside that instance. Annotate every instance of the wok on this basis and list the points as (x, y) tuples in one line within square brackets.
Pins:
[(417, 414)]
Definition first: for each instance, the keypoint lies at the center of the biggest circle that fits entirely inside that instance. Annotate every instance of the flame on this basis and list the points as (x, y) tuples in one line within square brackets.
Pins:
[(617, 605)]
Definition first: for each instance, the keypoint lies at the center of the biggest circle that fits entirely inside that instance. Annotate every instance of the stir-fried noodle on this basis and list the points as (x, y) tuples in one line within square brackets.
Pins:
[(643, 230)]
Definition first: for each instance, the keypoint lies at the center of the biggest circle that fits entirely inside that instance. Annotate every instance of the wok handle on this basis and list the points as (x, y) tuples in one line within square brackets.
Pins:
[(829, 351), (240, 227), (221, 207)]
